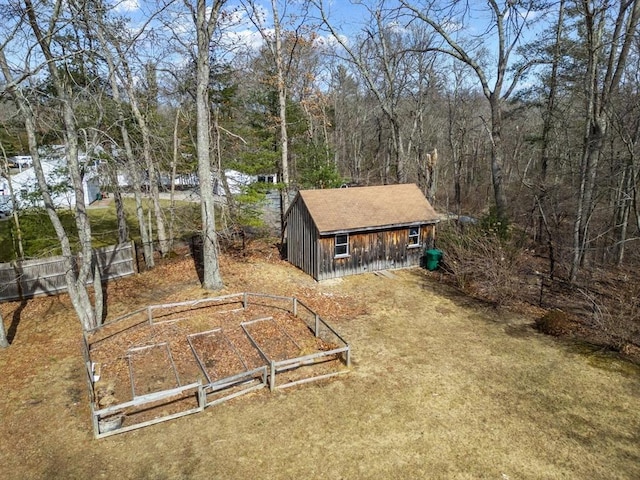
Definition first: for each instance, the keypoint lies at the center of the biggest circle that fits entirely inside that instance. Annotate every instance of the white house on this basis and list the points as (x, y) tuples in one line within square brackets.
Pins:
[(237, 181), (27, 192)]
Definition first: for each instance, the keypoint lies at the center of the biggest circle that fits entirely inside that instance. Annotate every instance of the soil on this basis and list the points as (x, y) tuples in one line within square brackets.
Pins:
[(441, 386)]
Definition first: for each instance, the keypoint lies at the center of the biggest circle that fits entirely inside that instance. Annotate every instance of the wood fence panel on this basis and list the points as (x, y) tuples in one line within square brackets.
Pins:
[(46, 276), (9, 288), (117, 261)]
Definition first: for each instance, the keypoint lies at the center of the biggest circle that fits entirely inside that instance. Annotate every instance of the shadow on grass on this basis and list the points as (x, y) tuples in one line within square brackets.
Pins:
[(15, 321)]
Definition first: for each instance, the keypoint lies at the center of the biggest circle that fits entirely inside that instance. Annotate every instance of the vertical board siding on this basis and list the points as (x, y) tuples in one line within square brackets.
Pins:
[(372, 251), (302, 236), (46, 276), (117, 261), (26, 278)]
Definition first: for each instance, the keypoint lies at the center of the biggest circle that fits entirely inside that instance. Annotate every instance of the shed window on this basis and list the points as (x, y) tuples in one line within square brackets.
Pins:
[(414, 237), (342, 246)]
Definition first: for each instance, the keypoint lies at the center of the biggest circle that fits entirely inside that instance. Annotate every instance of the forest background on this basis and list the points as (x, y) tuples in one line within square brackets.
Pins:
[(520, 119)]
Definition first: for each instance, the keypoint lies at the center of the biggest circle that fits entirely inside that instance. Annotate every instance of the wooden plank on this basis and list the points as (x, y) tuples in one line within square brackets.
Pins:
[(224, 398), (149, 422), (312, 379), (144, 399)]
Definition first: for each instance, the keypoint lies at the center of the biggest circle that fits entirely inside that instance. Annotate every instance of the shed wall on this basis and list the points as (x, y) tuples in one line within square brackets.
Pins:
[(302, 239), (371, 251)]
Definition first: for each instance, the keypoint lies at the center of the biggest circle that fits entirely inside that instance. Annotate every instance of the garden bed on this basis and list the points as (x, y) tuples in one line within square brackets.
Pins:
[(166, 361)]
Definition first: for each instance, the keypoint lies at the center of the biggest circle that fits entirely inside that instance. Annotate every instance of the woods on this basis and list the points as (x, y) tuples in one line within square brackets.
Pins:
[(524, 115)]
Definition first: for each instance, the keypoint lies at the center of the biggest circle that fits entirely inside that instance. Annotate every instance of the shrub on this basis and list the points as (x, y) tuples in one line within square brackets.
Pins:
[(556, 323), (481, 262)]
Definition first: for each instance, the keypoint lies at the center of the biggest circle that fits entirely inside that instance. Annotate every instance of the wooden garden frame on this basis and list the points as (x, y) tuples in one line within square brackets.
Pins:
[(239, 384), (215, 390)]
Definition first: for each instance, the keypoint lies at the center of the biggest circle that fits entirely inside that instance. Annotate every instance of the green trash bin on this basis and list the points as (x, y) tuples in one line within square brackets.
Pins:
[(432, 258)]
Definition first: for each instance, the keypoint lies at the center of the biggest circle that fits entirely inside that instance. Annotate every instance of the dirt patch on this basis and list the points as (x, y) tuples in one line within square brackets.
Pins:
[(441, 387)]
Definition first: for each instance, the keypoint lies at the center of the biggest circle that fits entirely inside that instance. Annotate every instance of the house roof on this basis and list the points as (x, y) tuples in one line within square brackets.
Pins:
[(364, 208)]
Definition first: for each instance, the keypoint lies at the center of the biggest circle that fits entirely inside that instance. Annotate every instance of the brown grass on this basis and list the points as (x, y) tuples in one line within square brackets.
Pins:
[(441, 387)]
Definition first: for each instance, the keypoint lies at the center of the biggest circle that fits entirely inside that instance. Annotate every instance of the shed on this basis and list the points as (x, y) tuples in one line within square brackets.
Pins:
[(344, 231)]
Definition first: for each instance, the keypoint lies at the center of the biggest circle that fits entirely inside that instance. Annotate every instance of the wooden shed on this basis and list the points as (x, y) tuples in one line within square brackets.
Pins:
[(344, 231)]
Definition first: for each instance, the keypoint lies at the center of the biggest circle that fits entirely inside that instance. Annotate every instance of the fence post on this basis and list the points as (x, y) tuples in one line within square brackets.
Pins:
[(317, 325), (272, 382), (94, 421), (295, 307), (202, 396)]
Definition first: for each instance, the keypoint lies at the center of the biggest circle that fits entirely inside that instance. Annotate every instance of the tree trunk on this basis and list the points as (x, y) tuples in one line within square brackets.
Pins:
[(14, 210), (621, 226), (121, 216), (152, 176), (548, 118), (398, 149), (432, 168), (212, 279), (550, 107), (282, 113), (123, 227), (4, 342), (497, 156), (600, 88), (132, 93), (174, 163), (77, 277), (85, 270)]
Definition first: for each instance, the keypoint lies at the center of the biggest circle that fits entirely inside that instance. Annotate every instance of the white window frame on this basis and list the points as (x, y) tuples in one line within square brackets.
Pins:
[(344, 244), (414, 239)]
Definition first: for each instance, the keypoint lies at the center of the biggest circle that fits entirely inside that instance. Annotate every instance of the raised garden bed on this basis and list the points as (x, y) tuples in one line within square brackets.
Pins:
[(166, 361)]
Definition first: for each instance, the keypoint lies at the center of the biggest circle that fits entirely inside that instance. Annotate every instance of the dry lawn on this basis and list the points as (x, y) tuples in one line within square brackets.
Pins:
[(441, 387)]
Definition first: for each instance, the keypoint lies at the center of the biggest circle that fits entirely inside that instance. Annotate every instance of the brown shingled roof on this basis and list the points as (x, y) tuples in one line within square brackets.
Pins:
[(346, 209)]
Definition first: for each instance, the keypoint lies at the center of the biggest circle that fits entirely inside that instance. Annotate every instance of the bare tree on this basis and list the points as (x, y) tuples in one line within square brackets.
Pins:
[(382, 59), (508, 22), (349, 117), (457, 119), (77, 276), (605, 64), (551, 97), (95, 18), (205, 19), (626, 123), (127, 78)]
